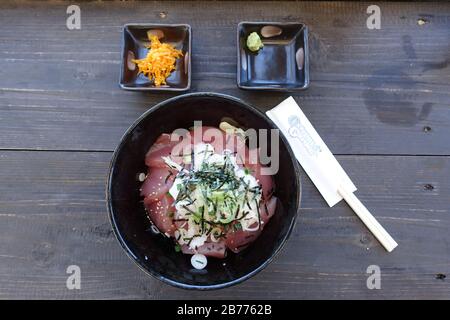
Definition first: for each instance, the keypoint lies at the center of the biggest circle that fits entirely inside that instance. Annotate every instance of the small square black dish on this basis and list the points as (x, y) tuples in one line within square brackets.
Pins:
[(135, 40), (281, 64)]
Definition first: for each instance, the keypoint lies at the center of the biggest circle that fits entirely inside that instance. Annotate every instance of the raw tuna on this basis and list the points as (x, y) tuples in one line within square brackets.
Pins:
[(267, 210), (238, 240), (161, 148), (157, 183), (160, 213), (266, 181), (253, 164)]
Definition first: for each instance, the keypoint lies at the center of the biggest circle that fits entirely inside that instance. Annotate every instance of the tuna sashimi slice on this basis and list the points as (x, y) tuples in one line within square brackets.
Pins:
[(160, 213), (157, 183), (238, 240), (267, 210), (162, 148), (265, 181), (167, 145)]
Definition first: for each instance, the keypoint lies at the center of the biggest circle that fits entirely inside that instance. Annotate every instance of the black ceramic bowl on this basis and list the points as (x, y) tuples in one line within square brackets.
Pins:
[(154, 253)]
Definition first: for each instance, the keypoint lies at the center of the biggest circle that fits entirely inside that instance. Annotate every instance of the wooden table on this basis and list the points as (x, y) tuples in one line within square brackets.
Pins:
[(379, 98)]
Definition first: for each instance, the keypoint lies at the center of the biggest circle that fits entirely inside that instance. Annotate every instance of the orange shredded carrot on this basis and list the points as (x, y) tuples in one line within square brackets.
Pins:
[(159, 62)]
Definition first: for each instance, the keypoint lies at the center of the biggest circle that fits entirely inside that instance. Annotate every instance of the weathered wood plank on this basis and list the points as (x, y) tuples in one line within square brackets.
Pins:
[(372, 91), (52, 215)]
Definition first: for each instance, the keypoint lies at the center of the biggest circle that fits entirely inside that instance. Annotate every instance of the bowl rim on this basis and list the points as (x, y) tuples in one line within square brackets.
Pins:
[(282, 88), (150, 25), (122, 241)]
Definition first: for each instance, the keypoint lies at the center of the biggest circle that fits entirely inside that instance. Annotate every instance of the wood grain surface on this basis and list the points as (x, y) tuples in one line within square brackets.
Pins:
[(379, 98)]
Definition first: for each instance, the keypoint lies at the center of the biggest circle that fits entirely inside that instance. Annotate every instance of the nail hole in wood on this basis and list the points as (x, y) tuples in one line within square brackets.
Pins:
[(428, 186), (365, 239), (440, 276), (426, 129)]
